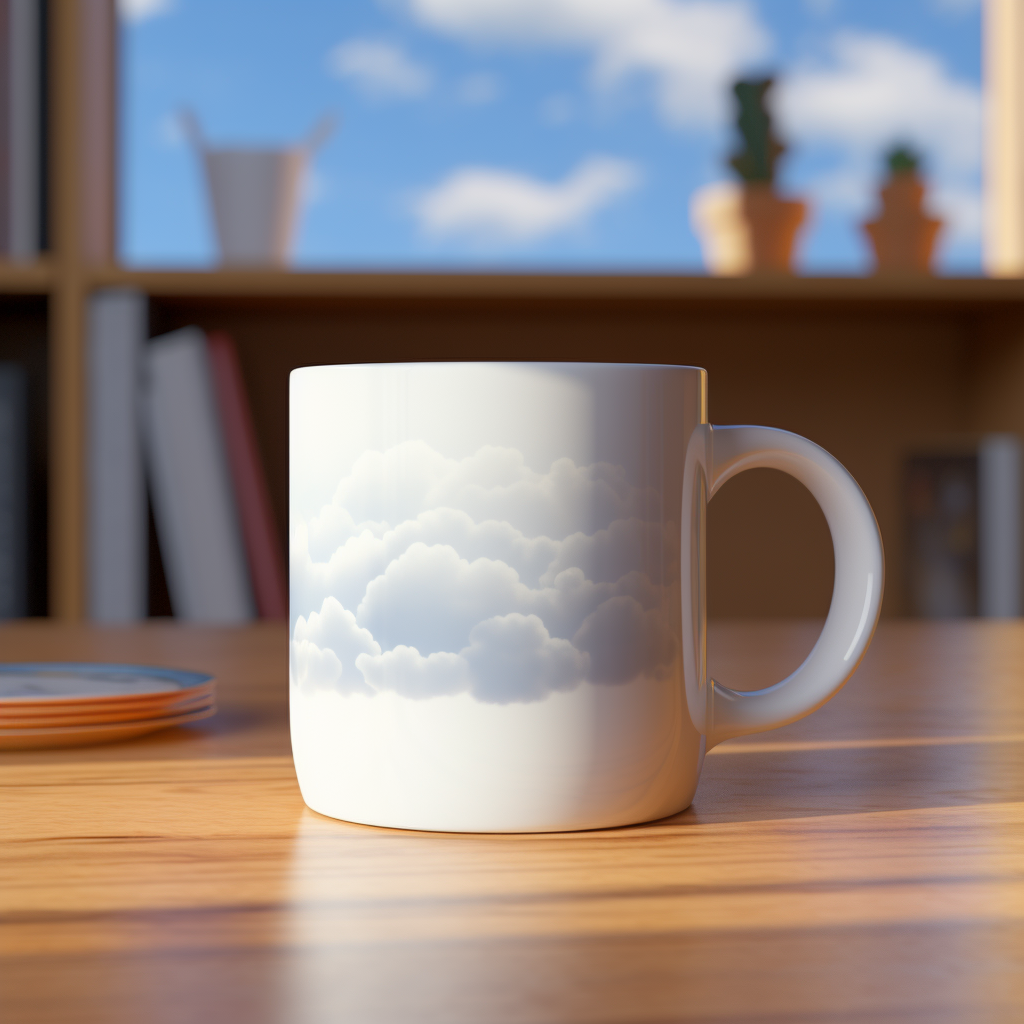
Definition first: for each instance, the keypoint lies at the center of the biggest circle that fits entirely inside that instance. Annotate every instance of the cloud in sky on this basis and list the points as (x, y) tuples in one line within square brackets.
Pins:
[(557, 109), (875, 90), (449, 599), (866, 91), (956, 6), (379, 68), (821, 8), (496, 205), (135, 11), (478, 90), (690, 49), (960, 207)]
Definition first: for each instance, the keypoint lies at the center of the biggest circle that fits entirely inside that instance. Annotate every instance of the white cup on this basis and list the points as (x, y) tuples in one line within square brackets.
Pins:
[(497, 591), (254, 194)]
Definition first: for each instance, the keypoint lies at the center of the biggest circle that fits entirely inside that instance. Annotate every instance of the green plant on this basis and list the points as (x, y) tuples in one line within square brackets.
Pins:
[(755, 162), (902, 159)]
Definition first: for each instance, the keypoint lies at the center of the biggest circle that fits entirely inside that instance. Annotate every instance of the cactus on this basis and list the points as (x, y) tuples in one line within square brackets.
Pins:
[(903, 235), (902, 159), (756, 161)]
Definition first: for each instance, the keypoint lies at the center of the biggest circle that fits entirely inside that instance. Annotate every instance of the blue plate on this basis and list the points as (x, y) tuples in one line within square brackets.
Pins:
[(74, 681)]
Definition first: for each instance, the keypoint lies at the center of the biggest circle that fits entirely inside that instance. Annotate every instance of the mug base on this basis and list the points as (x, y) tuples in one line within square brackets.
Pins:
[(488, 827)]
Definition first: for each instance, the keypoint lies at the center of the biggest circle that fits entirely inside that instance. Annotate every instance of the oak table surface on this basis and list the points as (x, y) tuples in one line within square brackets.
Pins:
[(865, 864)]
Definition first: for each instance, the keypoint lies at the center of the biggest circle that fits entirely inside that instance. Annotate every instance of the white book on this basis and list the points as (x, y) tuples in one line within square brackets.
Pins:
[(24, 129), (965, 513), (193, 499), (118, 541)]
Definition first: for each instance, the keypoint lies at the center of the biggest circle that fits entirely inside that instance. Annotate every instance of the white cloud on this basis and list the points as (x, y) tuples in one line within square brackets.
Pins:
[(494, 484), (557, 109), (379, 68), (509, 658), (956, 6), (171, 132), (142, 10), (347, 569), (404, 670), (608, 554), (821, 8), (314, 668), (492, 204), (875, 91), (624, 640), (513, 657), (430, 598), (325, 648), (478, 90), (879, 90), (479, 586), (960, 208), (691, 49)]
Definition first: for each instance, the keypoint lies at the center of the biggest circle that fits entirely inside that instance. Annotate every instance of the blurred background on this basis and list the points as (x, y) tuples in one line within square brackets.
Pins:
[(819, 201), (556, 134)]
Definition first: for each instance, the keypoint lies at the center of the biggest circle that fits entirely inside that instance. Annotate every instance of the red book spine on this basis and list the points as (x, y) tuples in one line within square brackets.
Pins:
[(266, 561)]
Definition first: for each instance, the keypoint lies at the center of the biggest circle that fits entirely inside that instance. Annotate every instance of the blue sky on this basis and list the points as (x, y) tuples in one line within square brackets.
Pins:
[(562, 134)]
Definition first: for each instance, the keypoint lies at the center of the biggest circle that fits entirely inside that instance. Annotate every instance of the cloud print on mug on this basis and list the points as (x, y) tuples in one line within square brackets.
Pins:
[(429, 576)]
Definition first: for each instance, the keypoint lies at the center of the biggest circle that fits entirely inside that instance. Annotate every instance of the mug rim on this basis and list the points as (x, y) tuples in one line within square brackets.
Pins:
[(501, 362)]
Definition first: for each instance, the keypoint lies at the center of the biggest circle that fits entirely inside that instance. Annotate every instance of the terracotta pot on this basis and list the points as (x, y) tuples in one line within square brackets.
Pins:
[(903, 235), (774, 223)]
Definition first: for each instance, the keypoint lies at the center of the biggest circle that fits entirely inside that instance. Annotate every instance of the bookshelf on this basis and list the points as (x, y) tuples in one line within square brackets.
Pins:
[(865, 367), (30, 279)]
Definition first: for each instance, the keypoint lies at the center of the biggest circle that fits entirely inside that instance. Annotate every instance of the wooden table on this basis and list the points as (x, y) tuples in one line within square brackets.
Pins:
[(866, 864)]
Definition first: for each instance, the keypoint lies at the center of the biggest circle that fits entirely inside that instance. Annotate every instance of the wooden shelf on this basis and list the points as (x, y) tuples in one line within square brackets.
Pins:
[(964, 292), (26, 279), (866, 367)]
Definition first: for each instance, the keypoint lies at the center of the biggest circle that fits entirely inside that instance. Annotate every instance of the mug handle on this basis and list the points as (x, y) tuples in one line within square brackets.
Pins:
[(856, 595)]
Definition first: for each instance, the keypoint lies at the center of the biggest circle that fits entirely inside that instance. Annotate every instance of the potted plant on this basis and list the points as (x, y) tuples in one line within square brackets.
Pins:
[(773, 222), (903, 236)]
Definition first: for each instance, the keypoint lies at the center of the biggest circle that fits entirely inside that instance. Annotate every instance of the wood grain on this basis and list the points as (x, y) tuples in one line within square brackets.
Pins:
[(25, 278), (864, 864)]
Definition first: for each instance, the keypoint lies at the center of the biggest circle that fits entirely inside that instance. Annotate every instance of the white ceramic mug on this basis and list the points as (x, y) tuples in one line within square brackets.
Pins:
[(497, 591)]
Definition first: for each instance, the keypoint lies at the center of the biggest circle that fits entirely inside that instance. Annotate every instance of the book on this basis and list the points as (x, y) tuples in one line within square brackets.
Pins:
[(97, 24), (117, 530), (21, 129), (13, 491), (964, 517), (194, 507), (262, 543), (999, 526)]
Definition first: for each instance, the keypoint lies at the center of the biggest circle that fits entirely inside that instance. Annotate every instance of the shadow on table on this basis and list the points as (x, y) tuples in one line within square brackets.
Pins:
[(770, 784)]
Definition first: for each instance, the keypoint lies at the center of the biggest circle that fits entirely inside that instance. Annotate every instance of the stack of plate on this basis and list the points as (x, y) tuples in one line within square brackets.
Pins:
[(65, 704)]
